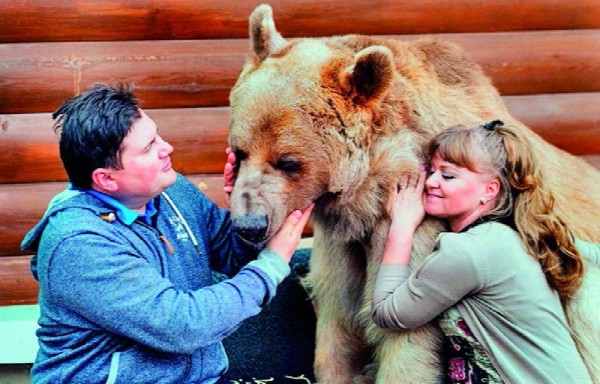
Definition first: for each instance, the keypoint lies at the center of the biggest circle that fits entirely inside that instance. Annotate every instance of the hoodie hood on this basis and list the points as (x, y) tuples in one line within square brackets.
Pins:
[(67, 199)]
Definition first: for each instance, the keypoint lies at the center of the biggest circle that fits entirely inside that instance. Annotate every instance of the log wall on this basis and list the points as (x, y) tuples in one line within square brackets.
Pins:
[(184, 56)]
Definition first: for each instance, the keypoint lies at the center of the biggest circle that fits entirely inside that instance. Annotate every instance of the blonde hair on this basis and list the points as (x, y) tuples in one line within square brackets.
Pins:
[(523, 199)]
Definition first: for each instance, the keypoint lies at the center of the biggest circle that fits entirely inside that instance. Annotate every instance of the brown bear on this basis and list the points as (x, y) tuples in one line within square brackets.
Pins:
[(336, 121)]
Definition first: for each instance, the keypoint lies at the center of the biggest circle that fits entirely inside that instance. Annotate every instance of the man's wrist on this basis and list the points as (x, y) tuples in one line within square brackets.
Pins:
[(273, 264)]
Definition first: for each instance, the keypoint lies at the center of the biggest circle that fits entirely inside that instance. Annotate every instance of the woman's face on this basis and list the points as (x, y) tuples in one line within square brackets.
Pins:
[(458, 194)]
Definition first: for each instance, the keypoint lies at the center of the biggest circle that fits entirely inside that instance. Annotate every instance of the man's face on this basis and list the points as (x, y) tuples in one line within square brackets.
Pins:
[(146, 165)]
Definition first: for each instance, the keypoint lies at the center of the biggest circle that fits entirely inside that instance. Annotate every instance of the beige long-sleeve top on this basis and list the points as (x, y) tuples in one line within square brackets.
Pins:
[(501, 293), (590, 251)]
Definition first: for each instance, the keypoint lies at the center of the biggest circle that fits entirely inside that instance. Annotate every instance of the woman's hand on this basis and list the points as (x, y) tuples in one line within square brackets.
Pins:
[(229, 171), (407, 213), (408, 208), (286, 240)]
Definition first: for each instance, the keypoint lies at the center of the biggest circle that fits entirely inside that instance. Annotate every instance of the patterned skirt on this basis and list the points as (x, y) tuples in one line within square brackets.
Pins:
[(465, 358)]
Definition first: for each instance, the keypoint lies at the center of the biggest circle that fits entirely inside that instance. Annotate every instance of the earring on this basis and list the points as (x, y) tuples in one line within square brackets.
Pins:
[(483, 200)]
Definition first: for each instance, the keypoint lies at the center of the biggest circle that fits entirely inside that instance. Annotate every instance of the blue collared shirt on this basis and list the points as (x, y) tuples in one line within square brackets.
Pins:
[(126, 215)]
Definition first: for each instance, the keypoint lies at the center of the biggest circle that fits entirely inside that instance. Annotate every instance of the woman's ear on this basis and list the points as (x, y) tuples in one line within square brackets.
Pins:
[(103, 180), (492, 189)]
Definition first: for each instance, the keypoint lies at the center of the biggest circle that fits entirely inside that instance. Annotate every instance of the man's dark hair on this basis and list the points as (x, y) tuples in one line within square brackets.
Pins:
[(92, 127)]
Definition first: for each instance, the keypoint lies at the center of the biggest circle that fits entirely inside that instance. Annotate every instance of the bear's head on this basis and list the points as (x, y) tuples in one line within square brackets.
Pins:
[(304, 114)]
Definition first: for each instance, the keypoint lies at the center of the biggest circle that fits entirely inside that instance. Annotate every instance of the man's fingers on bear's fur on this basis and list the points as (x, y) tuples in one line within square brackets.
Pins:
[(302, 219), (228, 170), (231, 160), (306, 214), (291, 222)]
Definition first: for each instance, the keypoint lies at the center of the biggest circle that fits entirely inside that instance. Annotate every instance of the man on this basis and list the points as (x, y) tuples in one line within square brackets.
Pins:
[(124, 258)]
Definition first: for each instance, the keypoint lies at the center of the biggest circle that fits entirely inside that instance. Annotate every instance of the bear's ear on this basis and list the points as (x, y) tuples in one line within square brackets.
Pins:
[(371, 75), (264, 38)]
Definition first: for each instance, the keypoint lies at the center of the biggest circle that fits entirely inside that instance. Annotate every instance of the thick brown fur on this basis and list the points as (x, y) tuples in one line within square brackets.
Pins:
[(337, 120)]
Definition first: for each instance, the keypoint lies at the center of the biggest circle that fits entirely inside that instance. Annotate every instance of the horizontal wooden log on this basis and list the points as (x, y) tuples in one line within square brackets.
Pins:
[(64, 20), (537, 62), (17, 285), (594, 160), (29, 149), (37, 77), (569, 121)]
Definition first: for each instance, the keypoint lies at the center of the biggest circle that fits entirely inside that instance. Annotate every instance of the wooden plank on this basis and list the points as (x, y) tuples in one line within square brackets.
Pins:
[(165, 73), (537, 62), (569, 121), (17, 285), (37, 77), (66, 20), (592, 159), (29, 150)]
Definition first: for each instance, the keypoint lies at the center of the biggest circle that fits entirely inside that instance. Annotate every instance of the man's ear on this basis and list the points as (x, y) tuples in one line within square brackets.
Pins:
[(492, 189), (103, 179)]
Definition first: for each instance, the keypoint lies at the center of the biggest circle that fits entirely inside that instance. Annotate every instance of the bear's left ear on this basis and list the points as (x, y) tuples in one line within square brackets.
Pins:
[(371, 75), (264, 38)]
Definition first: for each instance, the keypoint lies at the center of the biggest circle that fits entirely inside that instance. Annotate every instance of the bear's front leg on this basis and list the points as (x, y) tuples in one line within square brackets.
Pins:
[(409, 356), (340, 355), (337, 279), (406, 357)]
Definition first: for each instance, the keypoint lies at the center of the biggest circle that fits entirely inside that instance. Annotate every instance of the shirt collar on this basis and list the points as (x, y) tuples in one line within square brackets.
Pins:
[(125, 214), (487, 218)]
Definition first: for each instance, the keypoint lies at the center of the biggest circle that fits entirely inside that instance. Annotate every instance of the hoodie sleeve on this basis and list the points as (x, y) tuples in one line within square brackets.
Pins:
[(121, 292)]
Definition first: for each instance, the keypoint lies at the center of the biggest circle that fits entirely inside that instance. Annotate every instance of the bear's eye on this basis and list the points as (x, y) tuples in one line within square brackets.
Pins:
[(288, 165)]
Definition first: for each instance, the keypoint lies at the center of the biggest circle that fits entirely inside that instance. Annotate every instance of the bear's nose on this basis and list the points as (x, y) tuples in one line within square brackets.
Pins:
[(252, 228)]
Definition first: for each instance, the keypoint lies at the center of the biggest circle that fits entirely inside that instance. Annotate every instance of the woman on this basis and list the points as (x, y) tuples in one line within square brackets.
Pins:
[(500, 307)]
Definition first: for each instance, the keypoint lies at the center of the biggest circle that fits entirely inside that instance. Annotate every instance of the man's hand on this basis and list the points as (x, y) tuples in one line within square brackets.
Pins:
[(286, 240), (229, 171)]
